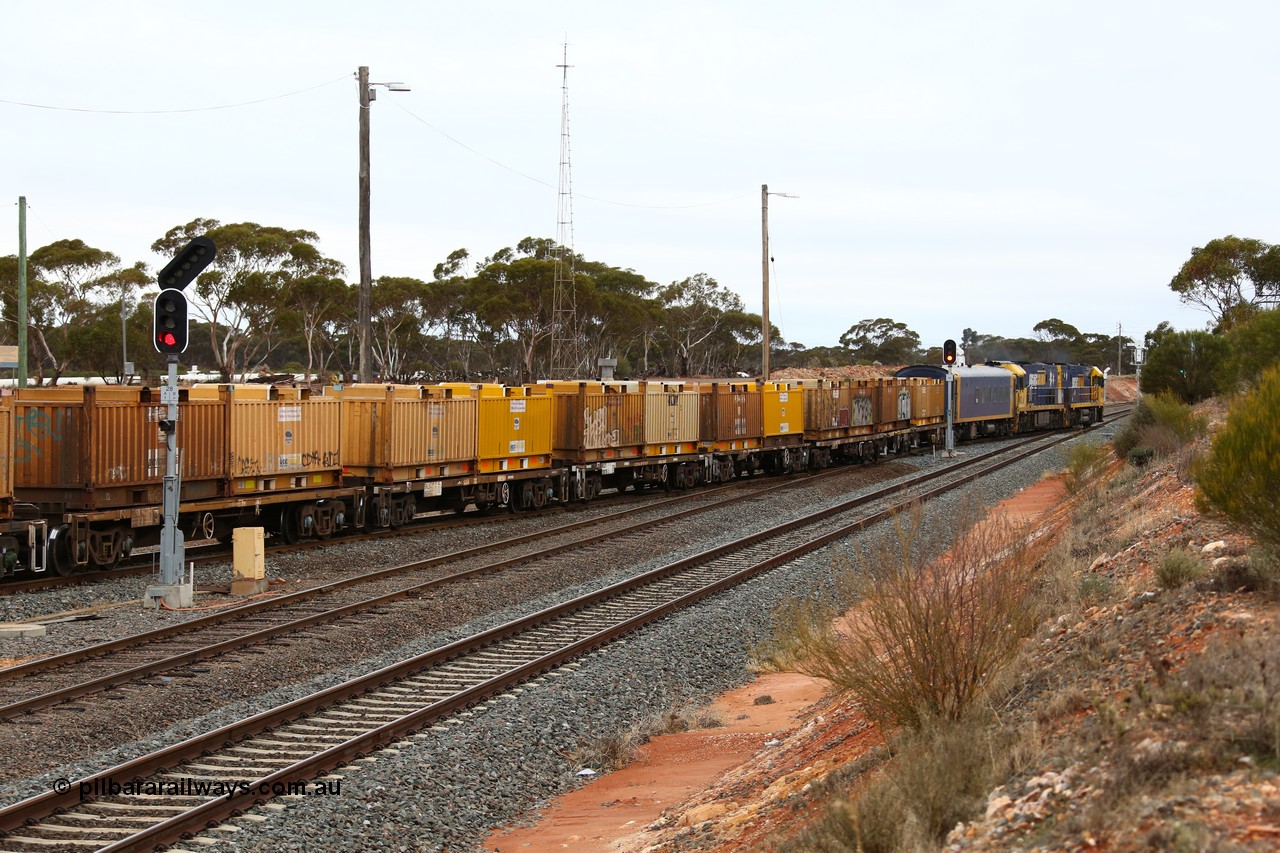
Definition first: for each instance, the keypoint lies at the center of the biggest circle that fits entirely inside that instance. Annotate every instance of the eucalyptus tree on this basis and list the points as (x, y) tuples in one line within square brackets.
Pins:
[(245, 294), (694, 310), (1230, 277), (63, 296), (882, 339)]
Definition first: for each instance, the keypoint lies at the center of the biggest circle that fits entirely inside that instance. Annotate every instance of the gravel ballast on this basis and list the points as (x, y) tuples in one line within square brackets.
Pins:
[(447, 787)]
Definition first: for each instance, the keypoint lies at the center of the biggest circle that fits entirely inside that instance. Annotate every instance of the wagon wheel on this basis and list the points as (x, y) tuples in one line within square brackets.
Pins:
[(58, 554), (290, 526)]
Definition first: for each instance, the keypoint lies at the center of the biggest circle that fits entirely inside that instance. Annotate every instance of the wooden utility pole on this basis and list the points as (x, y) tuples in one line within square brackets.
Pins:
[(22, 291), (366, 265), (764, 272)]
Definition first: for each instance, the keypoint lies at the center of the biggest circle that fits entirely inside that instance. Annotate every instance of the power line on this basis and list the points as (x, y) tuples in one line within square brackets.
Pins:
[(515, 171), (170, 112)]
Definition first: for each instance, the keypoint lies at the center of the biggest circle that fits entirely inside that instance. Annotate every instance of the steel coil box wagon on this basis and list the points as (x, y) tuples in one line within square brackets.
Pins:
[(92, 458), (751, 426), (623, 434), (282, 460), (850, 420)]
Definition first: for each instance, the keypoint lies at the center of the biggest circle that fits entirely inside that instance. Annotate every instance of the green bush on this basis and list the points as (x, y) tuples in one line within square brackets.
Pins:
[(1240, 476), (1255, 346), (1140, 456), (1177, 568), (1160, 425), (1186, 364)]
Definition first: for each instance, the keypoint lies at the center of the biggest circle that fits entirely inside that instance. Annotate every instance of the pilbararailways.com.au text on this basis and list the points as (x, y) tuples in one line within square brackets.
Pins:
[(194, 787)]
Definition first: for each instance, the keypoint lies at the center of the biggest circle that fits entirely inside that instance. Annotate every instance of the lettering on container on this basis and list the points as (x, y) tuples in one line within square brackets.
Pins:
[(784, 427), (517, 405), (782, 396), (516, 446), (285, 414), (431, 489), (39, 425), (285, 461), (515, 424), (288, 436), (595, 430), (862, 411)]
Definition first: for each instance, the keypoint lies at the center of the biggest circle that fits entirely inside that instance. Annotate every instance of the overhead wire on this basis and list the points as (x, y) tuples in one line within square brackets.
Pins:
[(409, 112), (170, 112)]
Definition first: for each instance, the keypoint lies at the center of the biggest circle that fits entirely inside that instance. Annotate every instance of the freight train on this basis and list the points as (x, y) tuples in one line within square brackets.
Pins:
[(83, 466)]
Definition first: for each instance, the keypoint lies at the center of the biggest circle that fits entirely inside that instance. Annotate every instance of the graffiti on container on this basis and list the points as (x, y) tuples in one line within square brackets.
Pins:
[(862, 411), (310, 459), (118, 472), (596, 432), (246, 466), (38, 425), (904, 405)]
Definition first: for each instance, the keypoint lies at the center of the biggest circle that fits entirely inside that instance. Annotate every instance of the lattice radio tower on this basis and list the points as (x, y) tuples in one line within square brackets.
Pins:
[(564, 317)]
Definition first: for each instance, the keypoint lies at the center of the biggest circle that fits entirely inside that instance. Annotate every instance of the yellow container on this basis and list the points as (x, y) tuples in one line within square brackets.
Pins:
[(392, 433), (514, 428), (670, 418), (278, 439), (783, 407)]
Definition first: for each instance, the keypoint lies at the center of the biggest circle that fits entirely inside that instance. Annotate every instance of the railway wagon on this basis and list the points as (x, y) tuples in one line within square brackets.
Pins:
[(751, 426), (623, 434), (513, 448), (23, 534), (405, 444), (281, 453), (92, 459)]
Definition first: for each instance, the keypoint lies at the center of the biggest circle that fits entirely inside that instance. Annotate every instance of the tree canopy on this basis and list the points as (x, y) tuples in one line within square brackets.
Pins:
[(1230, 277)]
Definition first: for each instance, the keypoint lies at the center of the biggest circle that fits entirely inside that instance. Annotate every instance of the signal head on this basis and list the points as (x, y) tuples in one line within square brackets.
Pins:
[(169, 322)]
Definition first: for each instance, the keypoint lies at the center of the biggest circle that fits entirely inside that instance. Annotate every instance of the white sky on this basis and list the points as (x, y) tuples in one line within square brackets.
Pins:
[(958, 164)]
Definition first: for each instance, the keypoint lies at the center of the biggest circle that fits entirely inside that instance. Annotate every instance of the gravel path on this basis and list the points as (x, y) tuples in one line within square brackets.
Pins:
[(448, 786)]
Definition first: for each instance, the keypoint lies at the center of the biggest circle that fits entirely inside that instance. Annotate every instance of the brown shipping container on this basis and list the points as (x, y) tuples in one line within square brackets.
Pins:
[(670, 418), (278, 438), (6, 456), (99, 447), (397, 432), (595, 420), (826, 407), (928, 400), (731, 412), (893, 402)]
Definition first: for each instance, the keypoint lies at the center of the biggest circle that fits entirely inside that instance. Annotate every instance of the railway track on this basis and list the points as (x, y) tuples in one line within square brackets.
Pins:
[(185, 788), (48, 682)]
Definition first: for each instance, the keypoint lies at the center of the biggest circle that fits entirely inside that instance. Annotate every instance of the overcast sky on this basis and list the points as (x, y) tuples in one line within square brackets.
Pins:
[(957, 164)]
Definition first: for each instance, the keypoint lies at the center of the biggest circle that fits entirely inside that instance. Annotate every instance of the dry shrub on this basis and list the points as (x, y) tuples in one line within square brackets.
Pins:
[(941, 777), (1232, 692), (1085, 466), (1177, 568), (618, 749), (926, 638)]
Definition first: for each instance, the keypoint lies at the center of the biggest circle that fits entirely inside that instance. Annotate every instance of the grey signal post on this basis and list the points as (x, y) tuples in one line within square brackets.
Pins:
[(172, 591), (951, 436), (173, 550)]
